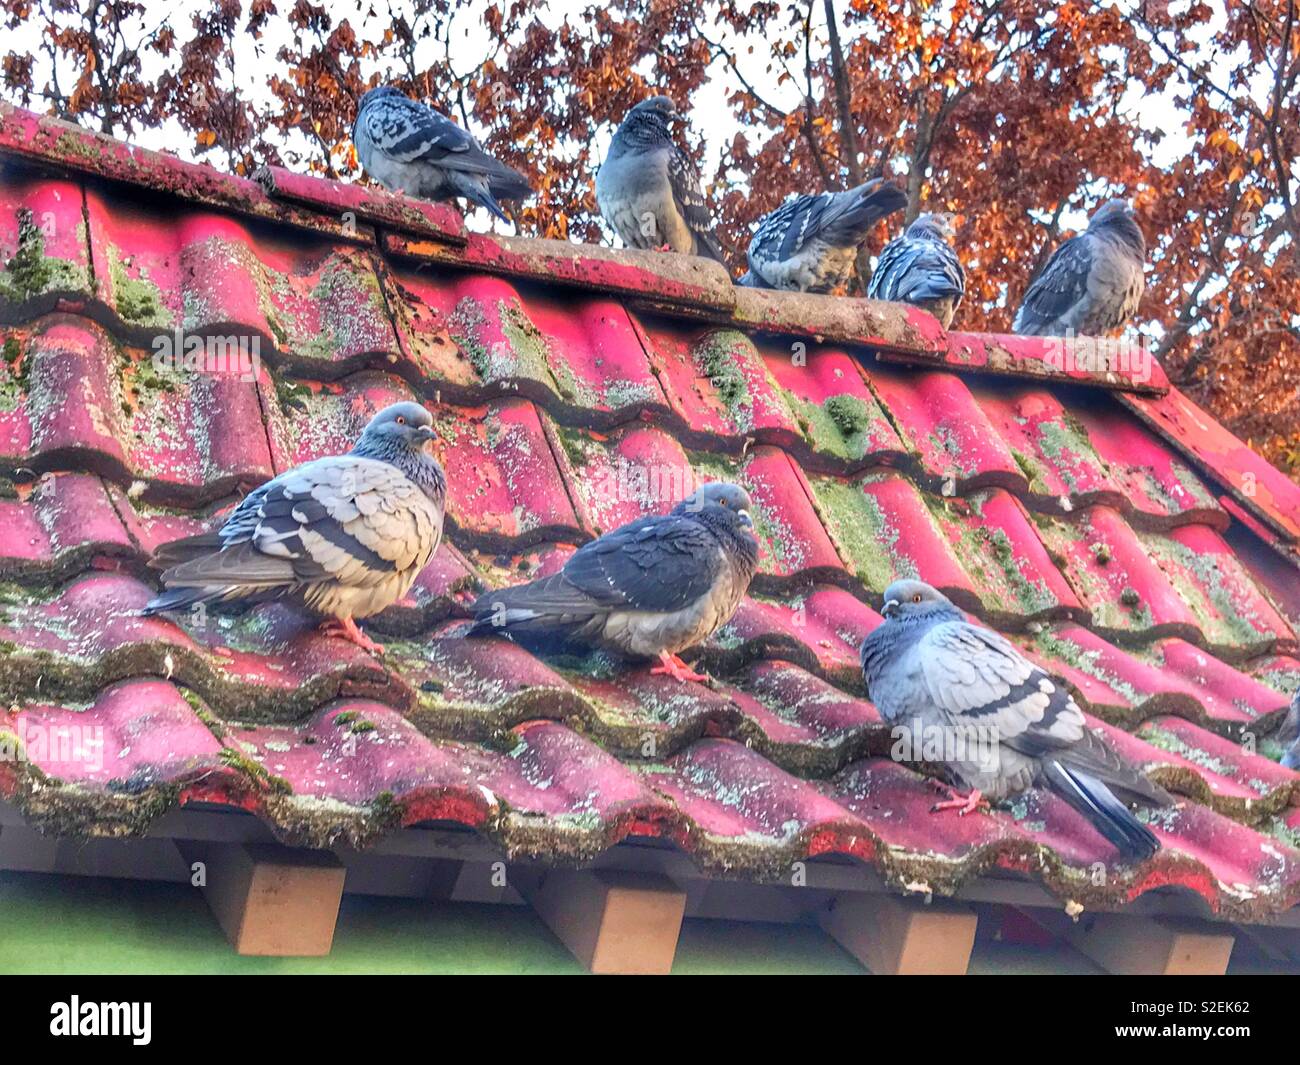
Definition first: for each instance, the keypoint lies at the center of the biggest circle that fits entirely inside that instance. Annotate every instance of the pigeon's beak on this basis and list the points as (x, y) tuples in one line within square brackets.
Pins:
[(424, 433), (891, 609), (745, 519)]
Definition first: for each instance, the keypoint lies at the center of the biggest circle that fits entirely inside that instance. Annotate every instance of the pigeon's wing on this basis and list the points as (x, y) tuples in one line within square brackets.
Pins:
[(915, 270), (658, 564), (1061, 284), (348, 519), (408, 131), (979, 678), (786, 230), (895, 265), (684, 181)]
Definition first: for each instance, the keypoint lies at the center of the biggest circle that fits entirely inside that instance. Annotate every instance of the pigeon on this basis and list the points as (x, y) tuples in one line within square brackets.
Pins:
[(648, 189), (810, 243), (1093, 283), (1004, 723), (649, 589), (921, 268), (1290, 733), (344, 536), (409, 147)]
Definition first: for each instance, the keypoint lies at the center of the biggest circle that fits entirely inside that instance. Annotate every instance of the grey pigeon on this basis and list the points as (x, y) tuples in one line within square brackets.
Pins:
[(921, 268), (344, 536), (1290, 733), (649, 190), (1093, 283), (810, 243), (1004, 724), (650, 588), (406, 145)]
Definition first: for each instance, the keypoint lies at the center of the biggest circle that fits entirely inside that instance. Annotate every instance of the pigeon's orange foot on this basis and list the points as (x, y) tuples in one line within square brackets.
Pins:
[(346, 629), (665, 247), (963, 804), (676, 668)]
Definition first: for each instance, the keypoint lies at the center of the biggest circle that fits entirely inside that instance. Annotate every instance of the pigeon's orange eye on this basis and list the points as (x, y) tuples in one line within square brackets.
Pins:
[(916, 598), (401, 420)]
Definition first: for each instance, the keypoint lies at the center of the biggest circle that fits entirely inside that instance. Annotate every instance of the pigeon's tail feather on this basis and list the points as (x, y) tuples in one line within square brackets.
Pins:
[(708, 246), (549, 611), (1099, 805), (521, 621), (484, 198), (185, 549), (864, 211), (179, 599)]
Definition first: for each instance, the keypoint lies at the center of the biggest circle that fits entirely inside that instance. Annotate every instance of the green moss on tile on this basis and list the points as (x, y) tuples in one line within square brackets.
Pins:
[(1066, 444), (842, 426), (719, 356), (1032, 470), (255, 771), (29, 272), (865, 539), (13, 374), (1201, 583), (137, 300)]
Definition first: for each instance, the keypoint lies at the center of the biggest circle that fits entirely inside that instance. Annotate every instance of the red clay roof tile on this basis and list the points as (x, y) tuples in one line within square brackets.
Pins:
[(574, 389)]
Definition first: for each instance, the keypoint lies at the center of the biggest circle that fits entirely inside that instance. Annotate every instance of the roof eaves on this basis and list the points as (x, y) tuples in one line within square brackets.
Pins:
[(1254, 484)]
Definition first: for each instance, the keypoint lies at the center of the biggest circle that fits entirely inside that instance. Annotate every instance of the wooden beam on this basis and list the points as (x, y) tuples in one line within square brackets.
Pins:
[(902, 936), (1127, 944), (268, 899), (613, 922)]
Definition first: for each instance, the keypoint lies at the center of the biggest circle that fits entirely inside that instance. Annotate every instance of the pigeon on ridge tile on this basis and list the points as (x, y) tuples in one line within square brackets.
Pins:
[(410, 147), (650, 588), (920, 267), (810, 243), (1006, 725), (1093, 282), (648, 189), (345, 536)]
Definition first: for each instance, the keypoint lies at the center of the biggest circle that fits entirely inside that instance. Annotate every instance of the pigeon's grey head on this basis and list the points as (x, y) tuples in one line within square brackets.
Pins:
[(399, 435), (646, 126), (909, 599), (658, 109), (933, 224), (1117, 218), (402, 425), (719, 497)]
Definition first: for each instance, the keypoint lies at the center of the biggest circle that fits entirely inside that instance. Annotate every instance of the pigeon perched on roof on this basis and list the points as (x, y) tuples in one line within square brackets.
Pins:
[(1093, 282), (649, 190), (651, 588), (810, 243), (921, 268), (1004, 723), (1290, 733), (410, 147), (344, 536)]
